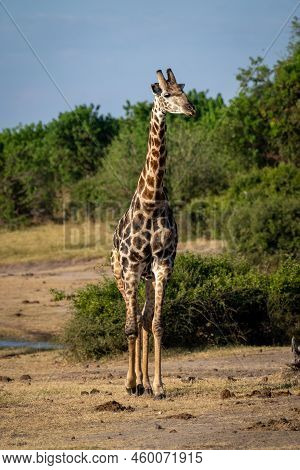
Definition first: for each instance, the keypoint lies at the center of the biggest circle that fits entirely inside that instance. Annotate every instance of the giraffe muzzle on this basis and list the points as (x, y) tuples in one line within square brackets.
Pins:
[(190, 110)]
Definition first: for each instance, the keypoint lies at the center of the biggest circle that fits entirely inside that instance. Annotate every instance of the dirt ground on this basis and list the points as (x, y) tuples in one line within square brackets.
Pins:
[(238, 398), (27, 309), (232, 398)]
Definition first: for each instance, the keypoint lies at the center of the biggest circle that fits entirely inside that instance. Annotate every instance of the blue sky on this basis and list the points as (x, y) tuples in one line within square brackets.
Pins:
[(106, 52)]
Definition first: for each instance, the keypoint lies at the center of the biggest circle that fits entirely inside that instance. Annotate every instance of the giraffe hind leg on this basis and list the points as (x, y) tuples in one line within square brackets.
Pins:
[(117, 270)]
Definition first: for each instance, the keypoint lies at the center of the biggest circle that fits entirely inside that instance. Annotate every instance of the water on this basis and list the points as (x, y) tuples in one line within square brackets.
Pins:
[(10, 343)]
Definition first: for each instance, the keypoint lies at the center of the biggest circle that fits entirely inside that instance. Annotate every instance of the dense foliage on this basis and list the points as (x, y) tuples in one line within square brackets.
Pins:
[(233, 171), (209, 300), (40, 163)]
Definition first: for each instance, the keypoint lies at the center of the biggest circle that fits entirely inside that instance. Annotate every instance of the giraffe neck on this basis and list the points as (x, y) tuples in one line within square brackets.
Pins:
[(150, 185)]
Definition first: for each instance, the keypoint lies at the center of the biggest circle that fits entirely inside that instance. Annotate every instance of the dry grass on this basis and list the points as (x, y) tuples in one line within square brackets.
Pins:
[(55, 242), (51, 412), (61, 242)]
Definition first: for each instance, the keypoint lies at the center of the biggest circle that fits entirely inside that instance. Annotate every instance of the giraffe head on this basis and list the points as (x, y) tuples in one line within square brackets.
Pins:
[(170, 96)]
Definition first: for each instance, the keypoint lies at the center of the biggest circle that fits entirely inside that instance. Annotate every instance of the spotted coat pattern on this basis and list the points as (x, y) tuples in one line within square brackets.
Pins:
[(145, 242)]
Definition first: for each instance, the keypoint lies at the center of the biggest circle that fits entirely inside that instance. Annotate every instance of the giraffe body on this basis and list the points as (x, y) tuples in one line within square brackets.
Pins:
[(145, 243)]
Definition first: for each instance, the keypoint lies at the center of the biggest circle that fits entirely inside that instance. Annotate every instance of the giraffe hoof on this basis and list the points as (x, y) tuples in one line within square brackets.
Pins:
[(139, 390), (159, 396), (148, 391), (131, 390)]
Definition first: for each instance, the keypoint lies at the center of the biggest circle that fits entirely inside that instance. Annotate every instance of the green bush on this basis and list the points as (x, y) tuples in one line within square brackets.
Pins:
[(97, 326), (284, 300), (209, 300), (258, 215), (262, 212)]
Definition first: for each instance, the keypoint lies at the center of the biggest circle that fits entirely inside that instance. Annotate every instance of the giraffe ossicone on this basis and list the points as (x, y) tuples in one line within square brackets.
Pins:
[(145, 242)]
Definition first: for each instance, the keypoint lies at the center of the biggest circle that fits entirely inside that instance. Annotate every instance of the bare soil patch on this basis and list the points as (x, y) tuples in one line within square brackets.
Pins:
[(27, 310), (50, 411)]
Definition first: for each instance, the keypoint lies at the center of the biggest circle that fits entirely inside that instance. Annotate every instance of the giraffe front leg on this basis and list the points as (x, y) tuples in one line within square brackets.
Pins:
[(147, 316), (138, 360), (146, 380), (160, 284)]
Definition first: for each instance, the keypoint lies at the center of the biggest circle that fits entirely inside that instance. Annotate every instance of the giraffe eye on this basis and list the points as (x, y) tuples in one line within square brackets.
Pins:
[(167, 95)]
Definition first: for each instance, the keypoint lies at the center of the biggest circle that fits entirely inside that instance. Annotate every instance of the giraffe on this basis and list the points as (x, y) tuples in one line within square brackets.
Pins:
[(145, 241)]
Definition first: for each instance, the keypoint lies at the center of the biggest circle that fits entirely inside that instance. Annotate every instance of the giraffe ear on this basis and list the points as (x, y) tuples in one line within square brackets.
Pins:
[(156, 89), (181, 85)]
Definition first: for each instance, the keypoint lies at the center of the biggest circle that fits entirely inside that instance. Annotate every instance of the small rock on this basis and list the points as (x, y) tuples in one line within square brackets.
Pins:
[(73, 438), (184, 416), (84, 392), (188, 379), (283, 393), (113, 406), (231, 378), (25, 377), (172, 430), (94, 391), (226, 394), (19, 314), (266, 393), (158, 426), (5, 378)]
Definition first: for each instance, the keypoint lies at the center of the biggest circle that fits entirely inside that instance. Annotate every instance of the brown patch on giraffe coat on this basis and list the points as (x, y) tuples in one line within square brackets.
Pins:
[(146, 234), (154, 153), (124, 262), (150, 180), (154, 163), (141, 184), (135, 257), (137, 204), (138, 242), (124, 248), (147, 193), (138, 222)]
